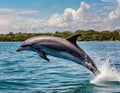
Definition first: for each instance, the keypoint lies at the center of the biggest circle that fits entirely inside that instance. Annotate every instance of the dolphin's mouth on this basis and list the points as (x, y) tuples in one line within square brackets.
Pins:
[(19, 49)]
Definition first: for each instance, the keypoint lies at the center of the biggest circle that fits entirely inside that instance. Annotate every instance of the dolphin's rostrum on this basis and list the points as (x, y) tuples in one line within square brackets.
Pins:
[(61, 48)]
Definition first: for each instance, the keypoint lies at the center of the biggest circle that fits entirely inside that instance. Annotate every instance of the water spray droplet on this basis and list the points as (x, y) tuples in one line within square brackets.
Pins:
[(108, 74)]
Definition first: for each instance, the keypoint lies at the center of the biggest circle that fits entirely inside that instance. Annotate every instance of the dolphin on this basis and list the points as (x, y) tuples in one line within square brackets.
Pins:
[(61, 48)]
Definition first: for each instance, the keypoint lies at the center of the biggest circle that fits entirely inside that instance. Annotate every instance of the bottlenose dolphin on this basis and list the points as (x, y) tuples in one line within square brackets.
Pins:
[(61, 48)]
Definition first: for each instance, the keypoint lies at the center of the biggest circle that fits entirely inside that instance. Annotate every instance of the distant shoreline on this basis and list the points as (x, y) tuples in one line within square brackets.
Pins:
[(86, 35), (77, 41)]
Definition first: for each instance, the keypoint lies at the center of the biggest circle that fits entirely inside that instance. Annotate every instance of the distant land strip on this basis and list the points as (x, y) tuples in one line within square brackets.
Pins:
[(86, 35)]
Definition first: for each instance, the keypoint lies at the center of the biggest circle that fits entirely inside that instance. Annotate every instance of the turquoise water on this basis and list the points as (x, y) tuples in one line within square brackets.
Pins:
[(26, 72)]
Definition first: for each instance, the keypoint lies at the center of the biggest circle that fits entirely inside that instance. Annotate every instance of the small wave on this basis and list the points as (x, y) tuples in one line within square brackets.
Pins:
[(108, 74)]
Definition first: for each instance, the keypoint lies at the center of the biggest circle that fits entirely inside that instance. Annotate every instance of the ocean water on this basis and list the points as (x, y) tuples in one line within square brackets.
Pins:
[(26, 72)]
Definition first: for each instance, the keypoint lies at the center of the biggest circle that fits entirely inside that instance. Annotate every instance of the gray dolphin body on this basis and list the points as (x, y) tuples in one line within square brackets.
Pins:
[(61, 48)]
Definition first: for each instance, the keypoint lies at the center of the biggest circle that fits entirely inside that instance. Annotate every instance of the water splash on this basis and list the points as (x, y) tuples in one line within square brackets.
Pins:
[(108, 74)]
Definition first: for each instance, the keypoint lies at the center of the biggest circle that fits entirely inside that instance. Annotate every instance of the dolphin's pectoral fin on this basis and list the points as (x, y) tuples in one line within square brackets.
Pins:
[(42, 55), (73, 38)]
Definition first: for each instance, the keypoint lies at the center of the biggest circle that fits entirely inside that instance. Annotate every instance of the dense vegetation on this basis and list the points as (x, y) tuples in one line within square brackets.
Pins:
[(89, 35)]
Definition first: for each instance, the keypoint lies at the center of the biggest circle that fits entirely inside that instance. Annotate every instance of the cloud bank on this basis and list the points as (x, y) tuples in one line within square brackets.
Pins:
[(83, 19), (20, 20)]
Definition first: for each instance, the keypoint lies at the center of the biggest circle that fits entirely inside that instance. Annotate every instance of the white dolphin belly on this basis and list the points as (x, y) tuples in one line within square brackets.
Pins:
[(61, 54)]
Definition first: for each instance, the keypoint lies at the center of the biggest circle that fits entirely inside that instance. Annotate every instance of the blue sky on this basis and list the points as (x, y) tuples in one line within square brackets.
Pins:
[(46, 7), (58, 15)]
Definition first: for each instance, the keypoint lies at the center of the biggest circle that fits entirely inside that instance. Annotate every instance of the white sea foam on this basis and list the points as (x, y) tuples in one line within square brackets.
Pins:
[(108, 74)]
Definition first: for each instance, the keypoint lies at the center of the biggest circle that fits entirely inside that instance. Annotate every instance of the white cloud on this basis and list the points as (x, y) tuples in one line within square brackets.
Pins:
[(115, 13), (69, 16), (77, 19), (17, 11), (109, 0), (55, 19), (20, 20), (21, 24), (82, 18), (14, 20)]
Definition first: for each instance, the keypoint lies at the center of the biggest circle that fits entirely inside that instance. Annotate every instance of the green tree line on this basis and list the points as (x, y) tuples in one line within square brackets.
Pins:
[(89, 35)]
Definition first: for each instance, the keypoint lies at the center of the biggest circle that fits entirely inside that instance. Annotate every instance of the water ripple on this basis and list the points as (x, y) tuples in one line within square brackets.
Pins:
[(26, 72)]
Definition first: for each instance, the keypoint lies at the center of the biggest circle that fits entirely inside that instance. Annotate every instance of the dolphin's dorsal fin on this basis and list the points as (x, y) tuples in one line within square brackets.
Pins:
[(73, 38), (42, 55)]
